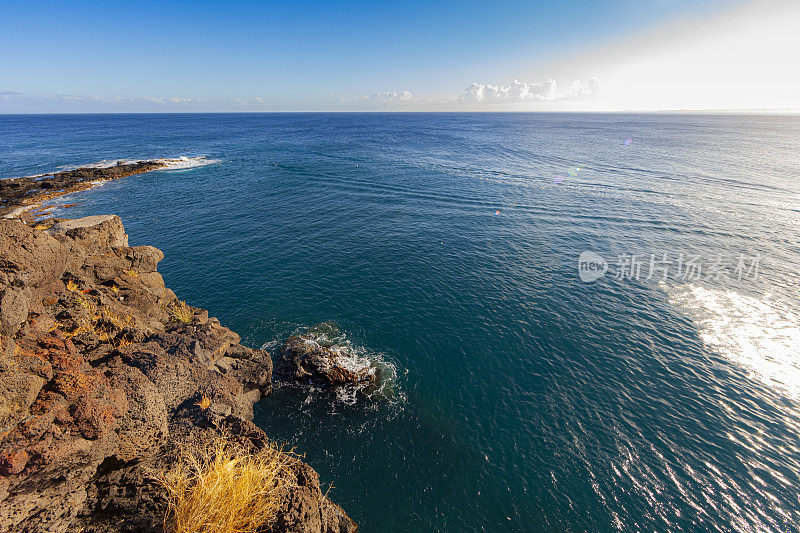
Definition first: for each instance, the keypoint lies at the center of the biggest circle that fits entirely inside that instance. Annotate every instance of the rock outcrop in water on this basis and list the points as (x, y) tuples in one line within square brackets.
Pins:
[(304, 358), (20, 192), (103, 373)]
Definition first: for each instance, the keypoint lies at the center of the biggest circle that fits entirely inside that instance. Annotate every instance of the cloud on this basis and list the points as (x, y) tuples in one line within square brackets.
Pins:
[(520, 91), (390, 97), (72, 101)]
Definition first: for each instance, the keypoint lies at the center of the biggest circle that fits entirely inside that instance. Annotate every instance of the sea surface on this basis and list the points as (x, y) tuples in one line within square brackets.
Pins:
[(446, 247)]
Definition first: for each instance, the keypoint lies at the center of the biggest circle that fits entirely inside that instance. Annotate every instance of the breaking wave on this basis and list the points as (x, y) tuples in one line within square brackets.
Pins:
[(353, 357), (177, 163), (172, 164)]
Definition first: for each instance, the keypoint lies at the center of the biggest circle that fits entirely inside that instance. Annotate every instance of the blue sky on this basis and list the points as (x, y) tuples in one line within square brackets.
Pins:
[(261, 56)]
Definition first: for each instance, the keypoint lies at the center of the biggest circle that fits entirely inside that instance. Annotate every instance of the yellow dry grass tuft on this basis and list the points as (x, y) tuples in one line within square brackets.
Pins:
[(119, 342), (115, 319), (204, 403), (72, 286), (131, 273), (100, 320), (223, 488), (180, 311), (104, 333)]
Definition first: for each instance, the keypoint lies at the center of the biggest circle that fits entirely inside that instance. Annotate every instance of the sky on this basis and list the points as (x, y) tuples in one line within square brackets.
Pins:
[(461, 55)]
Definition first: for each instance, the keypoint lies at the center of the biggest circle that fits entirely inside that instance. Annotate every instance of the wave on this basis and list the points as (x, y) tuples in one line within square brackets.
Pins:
[(186, 163), (172, 163), (352, 356), (177, 163)]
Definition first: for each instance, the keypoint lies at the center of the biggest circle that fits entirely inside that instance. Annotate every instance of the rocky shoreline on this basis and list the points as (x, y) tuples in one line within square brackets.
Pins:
[(18, 195), (104, 374)]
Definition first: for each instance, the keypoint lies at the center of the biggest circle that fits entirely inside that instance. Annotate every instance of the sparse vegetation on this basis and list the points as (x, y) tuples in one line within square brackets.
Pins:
[(204, 403), (117, 320), (108, 325), (222, 487), (181, 312)]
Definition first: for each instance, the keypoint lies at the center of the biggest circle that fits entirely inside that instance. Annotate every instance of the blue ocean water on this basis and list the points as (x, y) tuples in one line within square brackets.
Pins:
[(447, 246)]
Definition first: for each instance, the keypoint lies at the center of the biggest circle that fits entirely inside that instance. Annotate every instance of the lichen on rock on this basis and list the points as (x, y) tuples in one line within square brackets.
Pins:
[(100, 384)]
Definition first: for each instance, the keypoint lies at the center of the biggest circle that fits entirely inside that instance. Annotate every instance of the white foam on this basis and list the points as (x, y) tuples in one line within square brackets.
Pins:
[(171, 164), (760, 335), (185, 163), (179, 163), (345, 355), (19, 211), (354, 358)]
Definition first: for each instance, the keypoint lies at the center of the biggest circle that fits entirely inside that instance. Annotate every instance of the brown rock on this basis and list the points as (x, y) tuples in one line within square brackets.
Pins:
[(303, 358), (97, 231), (14, 304), (98, 386), (14, 462)]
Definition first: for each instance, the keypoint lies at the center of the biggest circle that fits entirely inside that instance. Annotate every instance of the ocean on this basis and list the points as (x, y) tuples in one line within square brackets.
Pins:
[(588, 322)]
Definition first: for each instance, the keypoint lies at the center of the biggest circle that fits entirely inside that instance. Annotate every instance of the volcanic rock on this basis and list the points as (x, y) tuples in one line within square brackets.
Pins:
[(304, 358), (102, 379)]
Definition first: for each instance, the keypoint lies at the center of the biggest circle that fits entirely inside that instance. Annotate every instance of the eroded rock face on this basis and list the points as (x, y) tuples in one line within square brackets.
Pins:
[(100, 377), (303, 358)]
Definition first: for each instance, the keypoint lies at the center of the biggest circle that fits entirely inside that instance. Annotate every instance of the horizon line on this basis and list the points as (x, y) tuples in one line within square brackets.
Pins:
[(752, 111)]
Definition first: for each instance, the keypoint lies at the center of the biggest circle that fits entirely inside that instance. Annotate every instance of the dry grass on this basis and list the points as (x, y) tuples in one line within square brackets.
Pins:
[(87, 305), (180, 311), (102, 321), (119, 342), (204, 403), (104, 333), (222, 488), (72, 286), (117, 320)]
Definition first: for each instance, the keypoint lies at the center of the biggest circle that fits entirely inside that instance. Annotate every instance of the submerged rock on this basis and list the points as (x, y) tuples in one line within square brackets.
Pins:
[(305, 358)]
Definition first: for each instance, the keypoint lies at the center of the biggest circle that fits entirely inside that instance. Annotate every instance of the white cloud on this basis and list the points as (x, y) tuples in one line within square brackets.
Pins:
[(150, 101), (390, 97), (520, 91)]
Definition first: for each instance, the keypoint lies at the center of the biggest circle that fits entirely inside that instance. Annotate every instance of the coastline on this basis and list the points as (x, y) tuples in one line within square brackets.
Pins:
[(106, 375), (22, 197)]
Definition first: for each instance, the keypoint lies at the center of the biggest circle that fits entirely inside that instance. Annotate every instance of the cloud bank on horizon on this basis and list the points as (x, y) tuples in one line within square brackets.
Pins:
[(520, 92), (477, 94), (516, 92), (389, 97)]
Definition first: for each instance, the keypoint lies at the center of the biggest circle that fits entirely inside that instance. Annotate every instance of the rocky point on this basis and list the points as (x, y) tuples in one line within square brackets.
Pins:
[(104, 373)]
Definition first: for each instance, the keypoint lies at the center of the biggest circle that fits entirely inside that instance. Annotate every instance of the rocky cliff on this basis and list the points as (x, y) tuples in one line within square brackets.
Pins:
[(104, 373)]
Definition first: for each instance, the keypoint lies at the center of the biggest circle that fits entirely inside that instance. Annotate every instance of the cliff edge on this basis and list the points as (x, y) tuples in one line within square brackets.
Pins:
[(105, 374)]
